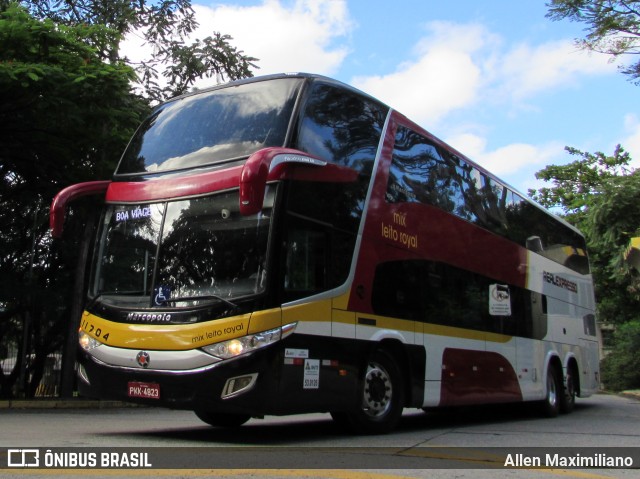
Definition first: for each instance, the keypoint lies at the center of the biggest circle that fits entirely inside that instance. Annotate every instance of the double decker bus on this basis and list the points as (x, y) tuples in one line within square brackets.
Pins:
[(288, 244)]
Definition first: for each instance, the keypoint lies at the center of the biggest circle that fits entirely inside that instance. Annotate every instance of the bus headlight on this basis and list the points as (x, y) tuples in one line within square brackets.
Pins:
[(246, 344), (87, 342)]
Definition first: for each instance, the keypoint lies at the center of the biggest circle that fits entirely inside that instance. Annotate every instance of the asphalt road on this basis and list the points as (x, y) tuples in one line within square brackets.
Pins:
[(434, 444)]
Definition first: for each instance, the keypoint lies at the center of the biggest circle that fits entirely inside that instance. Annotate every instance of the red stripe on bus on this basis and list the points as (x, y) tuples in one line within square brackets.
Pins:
[(173, 186)]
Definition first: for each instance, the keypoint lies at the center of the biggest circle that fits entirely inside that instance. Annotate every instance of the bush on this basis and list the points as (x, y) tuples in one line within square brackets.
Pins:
[(621, 367)]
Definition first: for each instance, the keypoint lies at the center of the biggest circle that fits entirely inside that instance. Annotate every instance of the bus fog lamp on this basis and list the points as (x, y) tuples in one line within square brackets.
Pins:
[(238, 385)]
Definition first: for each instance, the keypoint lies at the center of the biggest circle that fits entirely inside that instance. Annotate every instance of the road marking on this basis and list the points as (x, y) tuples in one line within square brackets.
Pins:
[(315, 473), (565, 472), (318, 473)]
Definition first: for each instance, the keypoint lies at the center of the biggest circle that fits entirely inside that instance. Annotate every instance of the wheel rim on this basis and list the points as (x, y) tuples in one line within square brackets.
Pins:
[(378, 391), (552, 393)]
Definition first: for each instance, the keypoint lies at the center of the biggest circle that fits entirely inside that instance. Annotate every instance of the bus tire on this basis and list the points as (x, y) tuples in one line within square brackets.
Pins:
[(550, 405), (568, 396), (381, 396), (222, 420)]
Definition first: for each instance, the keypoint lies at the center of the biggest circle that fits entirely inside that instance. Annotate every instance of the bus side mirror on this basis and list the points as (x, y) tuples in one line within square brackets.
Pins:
[(67, 195), (270, 164)]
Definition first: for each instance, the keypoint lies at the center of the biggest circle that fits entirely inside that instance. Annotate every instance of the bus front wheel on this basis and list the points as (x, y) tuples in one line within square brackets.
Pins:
[(222, 420), (381, 396)]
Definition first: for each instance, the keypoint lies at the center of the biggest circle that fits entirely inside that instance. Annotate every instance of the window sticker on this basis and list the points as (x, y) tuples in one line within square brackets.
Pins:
[(161, 294), (133, 213), (499, 300)]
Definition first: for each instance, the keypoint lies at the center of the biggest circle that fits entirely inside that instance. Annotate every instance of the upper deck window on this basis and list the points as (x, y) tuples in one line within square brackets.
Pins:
[(341, 126), (211, 127), (423, 172)]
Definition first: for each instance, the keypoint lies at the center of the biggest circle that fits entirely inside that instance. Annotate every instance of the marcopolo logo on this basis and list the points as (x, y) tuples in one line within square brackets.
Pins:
[(136, 317), (143, 359)]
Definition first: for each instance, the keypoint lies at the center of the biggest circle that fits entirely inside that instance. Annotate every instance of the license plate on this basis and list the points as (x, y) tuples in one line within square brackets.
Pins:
[(143, 390)]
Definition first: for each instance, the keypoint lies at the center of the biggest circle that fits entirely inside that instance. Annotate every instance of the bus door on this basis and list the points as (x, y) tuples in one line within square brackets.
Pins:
[(530, 348), (590, 369)]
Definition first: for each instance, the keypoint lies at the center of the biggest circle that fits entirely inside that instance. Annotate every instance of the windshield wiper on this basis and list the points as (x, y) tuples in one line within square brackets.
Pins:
[(207, 297)]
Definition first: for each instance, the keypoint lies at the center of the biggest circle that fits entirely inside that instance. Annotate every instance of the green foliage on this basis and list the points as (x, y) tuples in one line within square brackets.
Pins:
[(164, 26), (613, 26), (65, 117), (621, 368), (67, 110), (213, 56), (612, 221), (53, 85), (577, 184)]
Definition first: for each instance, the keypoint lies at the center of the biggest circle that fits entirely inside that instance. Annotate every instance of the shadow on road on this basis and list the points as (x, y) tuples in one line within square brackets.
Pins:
[(323, 429)]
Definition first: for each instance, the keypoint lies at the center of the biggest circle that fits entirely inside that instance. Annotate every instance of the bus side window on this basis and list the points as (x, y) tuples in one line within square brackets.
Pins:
[(306, 262), (341, 126), (397, 290), (418, 172), (537, 316), (438, 293), (317, 256)]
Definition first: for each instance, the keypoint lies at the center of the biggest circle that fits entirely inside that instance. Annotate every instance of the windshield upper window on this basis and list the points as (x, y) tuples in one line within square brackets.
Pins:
[(181, 252), (210, 127)]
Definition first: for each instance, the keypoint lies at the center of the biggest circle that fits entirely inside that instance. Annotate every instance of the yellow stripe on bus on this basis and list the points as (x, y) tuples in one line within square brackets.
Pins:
[(316, 311), (179, 337), (165, 336)]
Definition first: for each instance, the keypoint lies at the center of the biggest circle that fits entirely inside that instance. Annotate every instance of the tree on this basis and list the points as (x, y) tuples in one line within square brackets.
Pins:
[(613, 26), (612, 220), (67, 110), (65, 117), (595, 193), (577, 184), (165, 26), (621, 368)]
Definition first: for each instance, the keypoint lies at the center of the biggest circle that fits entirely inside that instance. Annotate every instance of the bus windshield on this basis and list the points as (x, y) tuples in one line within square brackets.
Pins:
[(181, 253), (225, 123)]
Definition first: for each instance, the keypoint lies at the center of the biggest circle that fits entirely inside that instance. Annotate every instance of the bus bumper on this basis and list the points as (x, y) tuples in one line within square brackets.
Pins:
[(265, 382), (201, 388)]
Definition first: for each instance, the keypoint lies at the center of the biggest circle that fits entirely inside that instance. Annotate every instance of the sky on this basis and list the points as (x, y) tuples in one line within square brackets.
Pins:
[(495, 79)]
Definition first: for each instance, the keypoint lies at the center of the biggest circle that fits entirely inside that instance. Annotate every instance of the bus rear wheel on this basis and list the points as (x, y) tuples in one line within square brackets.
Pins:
[(222, 420), (381, 397), (550, 406), (568, 398)]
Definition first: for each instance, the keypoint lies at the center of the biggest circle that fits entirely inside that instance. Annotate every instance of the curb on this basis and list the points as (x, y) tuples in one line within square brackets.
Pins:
[(631, 394), (63, 404)]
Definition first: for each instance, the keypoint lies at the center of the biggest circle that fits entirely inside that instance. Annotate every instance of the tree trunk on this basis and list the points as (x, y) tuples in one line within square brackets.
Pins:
[(67, 373)]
